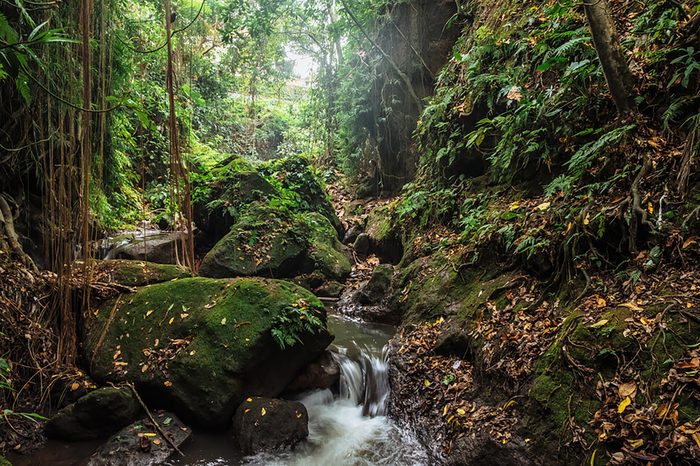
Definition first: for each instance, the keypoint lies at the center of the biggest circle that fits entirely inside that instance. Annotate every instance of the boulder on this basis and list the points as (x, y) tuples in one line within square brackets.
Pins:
[(271, 242), (374, 291), (158, 248), (141, 443), (319, 375), (98, 414), (351, 235), (137, 273), (197, 345), (265, 424), (362, 244)]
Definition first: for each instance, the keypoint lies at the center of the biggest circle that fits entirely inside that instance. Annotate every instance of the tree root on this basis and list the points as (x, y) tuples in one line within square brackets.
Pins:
[(8, 235)]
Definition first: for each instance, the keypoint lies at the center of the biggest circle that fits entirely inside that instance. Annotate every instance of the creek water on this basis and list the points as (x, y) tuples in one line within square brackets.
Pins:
[(347, 427)]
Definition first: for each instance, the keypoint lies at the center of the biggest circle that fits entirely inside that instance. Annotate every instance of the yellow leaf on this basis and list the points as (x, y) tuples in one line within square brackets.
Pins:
[(249, 400), (696, 437), (650, 208), (170, 322), (689, 305), (263, 412), (444, 411), (601, 302), (587, 220), (515, 206), (247, 410), (156, 442), (74, 386), (148, 313), (168, 383), (631, 306), (544, 206), (144, 368), (223, 321), (461, 412), (426, 383), (636, 443), (623, 405), (592, 462), (600, 323), (149, 434)]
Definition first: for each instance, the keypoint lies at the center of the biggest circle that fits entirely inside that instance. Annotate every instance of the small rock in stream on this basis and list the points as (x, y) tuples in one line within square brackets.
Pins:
[(141, 444), (319, 375), (267, 424)]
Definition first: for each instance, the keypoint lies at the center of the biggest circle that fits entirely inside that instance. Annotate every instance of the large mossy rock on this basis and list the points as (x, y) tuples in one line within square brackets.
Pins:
[(272, 242), (98, 414), (197, 345)]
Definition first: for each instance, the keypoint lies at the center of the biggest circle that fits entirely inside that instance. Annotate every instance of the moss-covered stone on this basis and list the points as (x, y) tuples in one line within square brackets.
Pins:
[(140, 273), (201, 345), (272, 242)]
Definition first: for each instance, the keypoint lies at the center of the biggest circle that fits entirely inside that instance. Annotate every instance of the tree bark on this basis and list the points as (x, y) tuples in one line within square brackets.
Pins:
[(617, 73)]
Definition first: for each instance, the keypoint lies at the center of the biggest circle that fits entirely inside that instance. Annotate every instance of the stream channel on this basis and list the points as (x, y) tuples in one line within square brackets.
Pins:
[(348, 427)]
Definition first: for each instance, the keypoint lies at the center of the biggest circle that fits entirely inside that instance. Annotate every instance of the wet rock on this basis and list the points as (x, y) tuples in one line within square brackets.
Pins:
[(266, 424), (141, 444), (319, 375), (97, 414), (331, 289), (199, 345), (481, 450), (378, 285), (158, 248), (362, 244)]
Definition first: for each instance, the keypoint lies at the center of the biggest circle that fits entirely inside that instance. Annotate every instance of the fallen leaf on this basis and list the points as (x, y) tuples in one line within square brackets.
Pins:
[(631, 306), (263, 412), (74, 386), (627, 390), (623, 405), (600, 323), (544, 206)]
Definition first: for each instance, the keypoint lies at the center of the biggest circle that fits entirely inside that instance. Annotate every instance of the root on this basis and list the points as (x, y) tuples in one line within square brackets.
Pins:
[(639, 215), (8, 235)]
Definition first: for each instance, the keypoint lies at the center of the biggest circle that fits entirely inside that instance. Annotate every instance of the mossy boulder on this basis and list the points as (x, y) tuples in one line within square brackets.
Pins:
[(98, 414), (138, 273), (272, 242), (199, 345), (384, 234)]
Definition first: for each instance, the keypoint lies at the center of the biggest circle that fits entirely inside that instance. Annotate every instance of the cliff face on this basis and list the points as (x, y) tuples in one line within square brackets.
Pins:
[(418, 38)]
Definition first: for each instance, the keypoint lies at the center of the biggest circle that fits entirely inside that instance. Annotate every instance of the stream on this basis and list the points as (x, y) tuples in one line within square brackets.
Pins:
[(347, 428)]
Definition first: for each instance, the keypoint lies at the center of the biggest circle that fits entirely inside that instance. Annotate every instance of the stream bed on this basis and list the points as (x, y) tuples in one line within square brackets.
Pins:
[(346, 428)]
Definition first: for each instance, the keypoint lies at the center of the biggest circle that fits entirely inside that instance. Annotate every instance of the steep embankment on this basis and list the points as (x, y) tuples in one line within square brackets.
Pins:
[(549, 283)]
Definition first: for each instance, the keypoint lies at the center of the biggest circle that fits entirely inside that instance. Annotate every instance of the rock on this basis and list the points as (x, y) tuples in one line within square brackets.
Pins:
[(319, 375), (481, 450), (197, 345), (138, 273), (362, 244), (454, 341), (265, 424), (378, 285), (270, 242), (98, 414), (141, 444), (331, 289), (351, 235), (158, 248)]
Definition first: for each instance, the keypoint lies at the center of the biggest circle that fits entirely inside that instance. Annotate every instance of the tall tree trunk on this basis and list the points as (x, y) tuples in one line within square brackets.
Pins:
[(617, 73)]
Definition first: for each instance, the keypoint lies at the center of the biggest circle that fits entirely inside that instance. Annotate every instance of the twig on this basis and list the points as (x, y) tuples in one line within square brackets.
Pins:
[(153, 420)]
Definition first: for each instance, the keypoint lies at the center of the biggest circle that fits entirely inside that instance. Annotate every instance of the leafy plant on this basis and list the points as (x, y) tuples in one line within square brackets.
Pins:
[(294, 322)]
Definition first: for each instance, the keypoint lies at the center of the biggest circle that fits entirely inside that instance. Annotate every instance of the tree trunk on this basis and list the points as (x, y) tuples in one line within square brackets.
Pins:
[(617, 73)]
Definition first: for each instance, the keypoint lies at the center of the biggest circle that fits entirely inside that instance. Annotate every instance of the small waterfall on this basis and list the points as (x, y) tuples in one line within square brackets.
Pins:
[(365, 381)]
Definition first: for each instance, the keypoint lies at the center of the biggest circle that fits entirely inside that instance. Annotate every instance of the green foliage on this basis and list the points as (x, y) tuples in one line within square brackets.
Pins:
[(296, 321)]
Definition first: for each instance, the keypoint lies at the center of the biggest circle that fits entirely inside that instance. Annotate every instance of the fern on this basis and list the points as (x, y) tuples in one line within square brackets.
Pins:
[(583, 159)]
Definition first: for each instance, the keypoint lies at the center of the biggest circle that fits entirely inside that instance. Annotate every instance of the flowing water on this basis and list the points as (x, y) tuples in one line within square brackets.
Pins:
[(346, 428)]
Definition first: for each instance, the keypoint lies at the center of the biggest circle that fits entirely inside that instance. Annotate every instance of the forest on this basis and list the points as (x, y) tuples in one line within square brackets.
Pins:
[(349, 232)]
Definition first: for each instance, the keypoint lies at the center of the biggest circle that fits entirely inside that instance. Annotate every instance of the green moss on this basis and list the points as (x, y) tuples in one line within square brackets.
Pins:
[(139, 273), (379, 224), (325, 251), (4, 461)]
